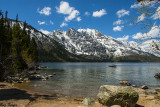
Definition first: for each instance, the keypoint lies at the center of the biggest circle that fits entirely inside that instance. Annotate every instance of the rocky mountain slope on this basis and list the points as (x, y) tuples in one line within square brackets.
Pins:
[(93, 43), (84, 45)]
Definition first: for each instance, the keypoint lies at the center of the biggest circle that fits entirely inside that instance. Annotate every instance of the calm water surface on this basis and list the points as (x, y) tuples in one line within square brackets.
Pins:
[(84, 79)]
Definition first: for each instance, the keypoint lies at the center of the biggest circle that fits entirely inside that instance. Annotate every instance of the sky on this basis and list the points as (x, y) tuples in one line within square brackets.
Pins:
[(110, 17)]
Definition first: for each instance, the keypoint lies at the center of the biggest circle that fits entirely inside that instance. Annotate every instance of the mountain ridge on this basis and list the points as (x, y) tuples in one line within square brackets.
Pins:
[(82, 45)]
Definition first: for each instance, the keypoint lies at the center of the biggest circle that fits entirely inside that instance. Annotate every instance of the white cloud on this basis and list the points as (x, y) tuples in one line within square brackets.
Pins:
[(45, 11), (145, 3), (72, 15), (153, 33), (45, 31), (63, 24), (87, 13), (41, 23), (141, 17), (118, 22), (51, 22), (79, 19), (136, 5), (138, 36), (148, 44), (99, 13), (156, 14), (65, 9), (122, 13), (117, 28), (124, 38)]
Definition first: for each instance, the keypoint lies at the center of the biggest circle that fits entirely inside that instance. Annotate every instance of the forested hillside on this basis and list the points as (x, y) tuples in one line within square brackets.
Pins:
[(17, 50)]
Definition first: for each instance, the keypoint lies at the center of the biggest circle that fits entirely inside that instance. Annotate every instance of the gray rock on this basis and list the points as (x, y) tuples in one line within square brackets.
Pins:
[(157, 90), (157, 75), (88, 101), (117, 95), (26, 79), (36, 76), (144, 87), (124, 82), (134, 86), (50, 75), (44, 79)]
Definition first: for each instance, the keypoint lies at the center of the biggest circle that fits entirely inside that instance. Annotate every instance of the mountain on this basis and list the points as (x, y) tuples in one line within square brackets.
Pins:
[(91, 42), (84, 45)]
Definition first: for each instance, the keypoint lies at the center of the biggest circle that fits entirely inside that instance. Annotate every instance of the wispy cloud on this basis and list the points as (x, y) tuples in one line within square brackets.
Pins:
[(118, 22), (124, 38), (45, 11), (122, 12), (99, 13), (51, 22), (45, 31), (144, 3), (63, 24), (41, 22), (117, 28), (153, 33), (156, 14), (79, 19), (141, 17), (87, 13)]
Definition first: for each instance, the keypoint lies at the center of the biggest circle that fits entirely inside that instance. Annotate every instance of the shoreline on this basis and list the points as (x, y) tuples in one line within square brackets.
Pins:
[(11, 96)]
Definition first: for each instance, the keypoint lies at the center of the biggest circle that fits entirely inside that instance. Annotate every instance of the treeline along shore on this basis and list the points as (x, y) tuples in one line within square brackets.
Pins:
[(18, 51)]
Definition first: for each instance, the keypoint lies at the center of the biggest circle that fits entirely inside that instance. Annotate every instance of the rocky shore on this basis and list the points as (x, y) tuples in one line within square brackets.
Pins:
[(11, 96)]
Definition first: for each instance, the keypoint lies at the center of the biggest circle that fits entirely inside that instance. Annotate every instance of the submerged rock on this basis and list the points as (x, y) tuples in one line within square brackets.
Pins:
[(144, 87), (125, 83), (117, 95), (157, 75)]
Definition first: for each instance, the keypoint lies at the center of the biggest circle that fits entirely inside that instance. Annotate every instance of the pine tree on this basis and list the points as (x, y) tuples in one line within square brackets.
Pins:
[(32, 51), (19, 62), (2, 34)]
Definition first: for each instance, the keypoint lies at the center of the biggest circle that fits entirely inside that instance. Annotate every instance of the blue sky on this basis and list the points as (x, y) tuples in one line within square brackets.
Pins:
[(51, 15)]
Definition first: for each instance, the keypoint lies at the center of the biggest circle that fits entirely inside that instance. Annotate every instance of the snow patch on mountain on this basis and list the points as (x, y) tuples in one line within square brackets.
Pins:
[(92, 42)]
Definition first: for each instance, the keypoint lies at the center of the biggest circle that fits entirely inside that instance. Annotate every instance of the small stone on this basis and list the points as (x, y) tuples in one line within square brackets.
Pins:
[(125, 83), (44, 79), (19, 81), (88, 101), (157, 89), (50, 75), (116, 106), (134, 86), (25, 79), (144, 87)]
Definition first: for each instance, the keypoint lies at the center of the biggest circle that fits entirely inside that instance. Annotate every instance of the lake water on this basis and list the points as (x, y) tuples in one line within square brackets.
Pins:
[(84, 79)]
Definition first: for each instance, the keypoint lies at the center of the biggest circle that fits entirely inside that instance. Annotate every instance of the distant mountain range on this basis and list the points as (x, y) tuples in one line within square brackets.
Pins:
[(86, 45)]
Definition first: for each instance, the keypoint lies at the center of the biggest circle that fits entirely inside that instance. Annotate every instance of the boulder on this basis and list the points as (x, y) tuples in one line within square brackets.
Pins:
[(157, 75), (124, 96), (157, 90), (144, 87)]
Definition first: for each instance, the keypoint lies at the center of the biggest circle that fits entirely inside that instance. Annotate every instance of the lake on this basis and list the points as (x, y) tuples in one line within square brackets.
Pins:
[(84, 79)]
